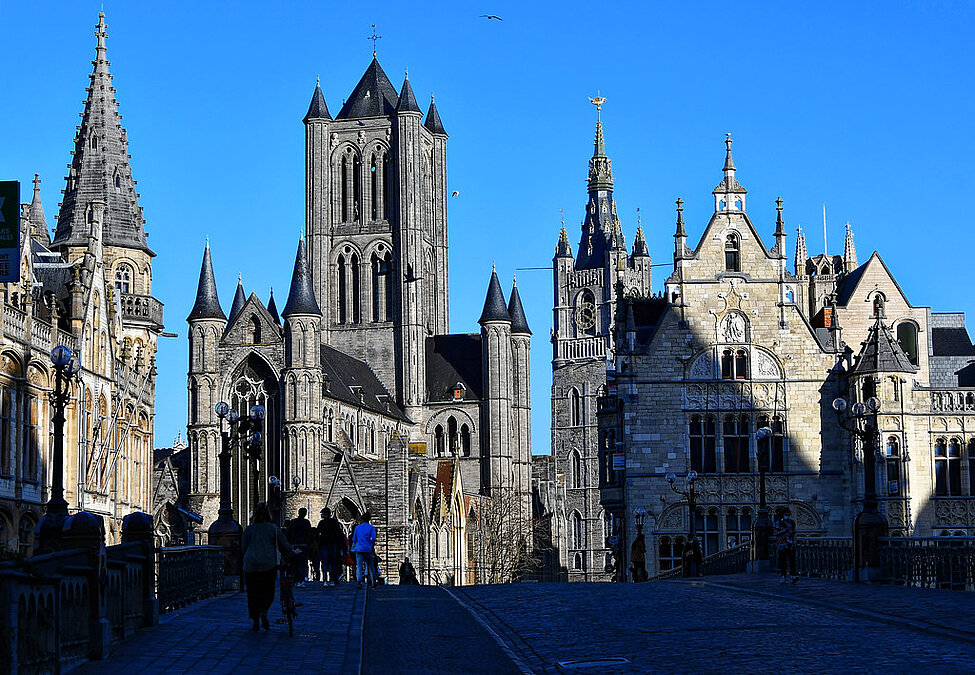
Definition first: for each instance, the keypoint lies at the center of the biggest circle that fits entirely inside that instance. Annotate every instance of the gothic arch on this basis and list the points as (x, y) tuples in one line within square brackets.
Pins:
[(441, 418)]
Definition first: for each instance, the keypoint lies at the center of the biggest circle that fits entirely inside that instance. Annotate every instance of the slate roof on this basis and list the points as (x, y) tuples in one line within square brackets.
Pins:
[(848, 284), (272, 308), (495, 308), (519, 324), (432, 122), (407, 101), (207, 305), (374, 96), (951, 342), (451, 359), (239, 300), (317, 109), (301, 299), (344, 372), (881, 353)]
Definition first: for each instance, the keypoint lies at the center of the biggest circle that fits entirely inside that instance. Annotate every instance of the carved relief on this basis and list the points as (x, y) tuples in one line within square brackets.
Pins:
[(703, 367), (673, 518), (954, 513), (765, 366), (333, 140), (733, 328), (806, 517), (896, 516)]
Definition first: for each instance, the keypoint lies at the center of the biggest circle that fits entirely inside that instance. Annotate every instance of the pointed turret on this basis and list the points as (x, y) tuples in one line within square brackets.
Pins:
[(407, 101), (301, 299), (680, 235), (617, 241), (38, 223), (273, 308), (207, 305), (519, 324), (374, 96), (239, 300), (802, 255), (779, 229), (849, 251), (729, 195), (99, 169), (640, 248), (432, 122), (563, 249), (598, 227), (495, 308), (317, 109), (881, 352)]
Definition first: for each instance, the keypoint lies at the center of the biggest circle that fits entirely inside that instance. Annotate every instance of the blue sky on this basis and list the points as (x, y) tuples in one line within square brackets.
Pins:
[(864, 106)]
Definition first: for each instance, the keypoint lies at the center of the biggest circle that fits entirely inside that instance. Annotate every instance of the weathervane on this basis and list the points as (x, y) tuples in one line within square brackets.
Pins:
[(374, 37)]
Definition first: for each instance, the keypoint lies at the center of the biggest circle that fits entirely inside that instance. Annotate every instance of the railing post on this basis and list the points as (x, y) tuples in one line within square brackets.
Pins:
[(87, 531), (137, 529)]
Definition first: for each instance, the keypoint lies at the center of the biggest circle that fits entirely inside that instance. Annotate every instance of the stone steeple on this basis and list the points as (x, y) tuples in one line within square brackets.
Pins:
[(802, 255), (640, 243), (38, 223), (272, 308), (495, 308), (432, 121), (563, 249), (317, 109), (849, 252), (301, 299), (99, 168), (599, 226), (519, 324), (729, 195), (239, 299), (407, 101), (207, 305)]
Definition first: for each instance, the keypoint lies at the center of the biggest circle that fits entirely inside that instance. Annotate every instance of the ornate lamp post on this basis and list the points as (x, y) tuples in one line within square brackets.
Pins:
[(66, 368), (274, 498), (763, 522), (225, 531), (691, 498), (638, 552), (869, 525)]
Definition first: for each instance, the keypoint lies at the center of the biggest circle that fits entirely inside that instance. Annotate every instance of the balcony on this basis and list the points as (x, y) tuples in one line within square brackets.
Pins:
[(143, 309)]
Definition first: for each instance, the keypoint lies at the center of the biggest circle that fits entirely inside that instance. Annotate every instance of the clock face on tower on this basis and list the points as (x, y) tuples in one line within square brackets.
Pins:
[(586, 315)]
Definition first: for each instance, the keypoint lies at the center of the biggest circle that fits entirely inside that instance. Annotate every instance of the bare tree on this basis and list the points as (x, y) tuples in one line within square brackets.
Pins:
[(503, 539)]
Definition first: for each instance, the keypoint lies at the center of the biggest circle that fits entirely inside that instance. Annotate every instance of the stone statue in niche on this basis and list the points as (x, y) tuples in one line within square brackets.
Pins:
[(733, 328)]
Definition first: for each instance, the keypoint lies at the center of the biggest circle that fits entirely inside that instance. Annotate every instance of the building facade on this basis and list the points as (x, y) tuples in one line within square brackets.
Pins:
[(360, 360), (739, 343), (587, 287), (89, 289)]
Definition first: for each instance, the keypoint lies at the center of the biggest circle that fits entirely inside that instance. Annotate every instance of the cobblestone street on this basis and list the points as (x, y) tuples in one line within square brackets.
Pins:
[(730, 624)]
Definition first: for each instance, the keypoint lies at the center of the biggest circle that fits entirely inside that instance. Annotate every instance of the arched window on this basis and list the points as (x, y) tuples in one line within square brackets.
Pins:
[(736, 433), (93, 142), (123, 278), (577, 561), (452, 434), (741, 364), (117, 180), (575, 533), (971, 467), (344, 187), (356, 316), (773, 445), (438, 440), (732, 253), (465, 440), (385, 178), (356, 187), (702, 438), (734, 364), (669, 552), (892, 464), (343, 284), (947, 468), (707, 529), (380, 279), (738, 526), (575, 408), (254, 331), (575, 469), (374, 196), (907, 337), (6, 429)]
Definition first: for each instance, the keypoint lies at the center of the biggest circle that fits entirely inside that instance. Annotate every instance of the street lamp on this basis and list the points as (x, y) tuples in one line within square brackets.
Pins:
[(274, 498), (763, 522), (66, 368), (638, 554), (691, 498), (860, 421)]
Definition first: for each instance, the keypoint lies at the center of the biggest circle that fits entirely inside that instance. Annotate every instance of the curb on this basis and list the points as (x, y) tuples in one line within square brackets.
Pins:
[(900, 622), (518, 662)]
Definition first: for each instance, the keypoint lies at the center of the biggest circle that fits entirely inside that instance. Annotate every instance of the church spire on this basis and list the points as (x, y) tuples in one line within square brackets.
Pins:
[(494, 305), (519, 324), (38, 223), (239, 300), (301, 299), (802, 255), (99, 169), (432, 122), (598, 229), (272, 308), (680, 235), (563, 249), (729, 195), (207, 305), (317, 109), (600, 166), (640, 243), (407, 101), (779, 230), (849, 251)]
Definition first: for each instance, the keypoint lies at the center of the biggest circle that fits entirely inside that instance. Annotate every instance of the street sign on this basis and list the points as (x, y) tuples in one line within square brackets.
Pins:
[(9, 230), (619, 461), (418, 448)]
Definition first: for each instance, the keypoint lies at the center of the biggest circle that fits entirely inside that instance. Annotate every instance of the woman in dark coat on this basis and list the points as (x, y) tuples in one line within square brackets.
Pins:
[(261, 542)]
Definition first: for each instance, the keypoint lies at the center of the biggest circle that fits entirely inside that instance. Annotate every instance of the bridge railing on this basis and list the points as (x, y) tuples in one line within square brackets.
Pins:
[(930, 562), (733, 560), (824, 557), (186, 574)]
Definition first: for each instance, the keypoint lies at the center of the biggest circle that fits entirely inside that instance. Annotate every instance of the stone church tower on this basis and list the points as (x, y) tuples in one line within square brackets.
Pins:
[(586, 289)]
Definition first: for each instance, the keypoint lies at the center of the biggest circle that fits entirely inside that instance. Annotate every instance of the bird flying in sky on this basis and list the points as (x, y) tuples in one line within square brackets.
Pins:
[(455, 193), (491, 16)]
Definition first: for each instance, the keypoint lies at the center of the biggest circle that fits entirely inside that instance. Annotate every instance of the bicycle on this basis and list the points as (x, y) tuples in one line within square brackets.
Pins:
[(288, 606)]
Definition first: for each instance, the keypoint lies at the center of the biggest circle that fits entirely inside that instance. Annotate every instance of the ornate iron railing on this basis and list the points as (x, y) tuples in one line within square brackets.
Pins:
[(825, 557), (730, 561), (930, 562), (186, 574)]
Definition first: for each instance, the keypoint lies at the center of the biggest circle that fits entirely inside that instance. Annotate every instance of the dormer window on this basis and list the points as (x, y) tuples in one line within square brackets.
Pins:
[(732, 253), (459, 391)]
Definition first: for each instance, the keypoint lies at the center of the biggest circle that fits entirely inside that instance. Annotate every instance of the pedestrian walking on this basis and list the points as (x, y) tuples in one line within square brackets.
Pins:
[(785, 544), (260, 544), (299, 534), (332, 544), (407, 574), (363, 545)]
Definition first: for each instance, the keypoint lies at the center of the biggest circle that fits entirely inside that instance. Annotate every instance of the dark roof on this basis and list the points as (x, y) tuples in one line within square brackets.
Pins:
[(951, 342), (301, 299), (317, 109), (344, 372), (432, 122), (519, 324), (646, 316), (239, 300), (407, 101), (272, 309), (452, 359), (495, 308), (848, 284), (881, 353), (374, 96), (444, 485), (207, 305)]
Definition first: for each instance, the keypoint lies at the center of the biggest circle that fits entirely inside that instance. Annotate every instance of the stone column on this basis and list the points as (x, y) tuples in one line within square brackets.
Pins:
[(137, 529), (85, 530)]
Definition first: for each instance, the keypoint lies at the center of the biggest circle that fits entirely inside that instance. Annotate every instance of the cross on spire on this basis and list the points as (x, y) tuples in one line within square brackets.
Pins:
[(375, 36)]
